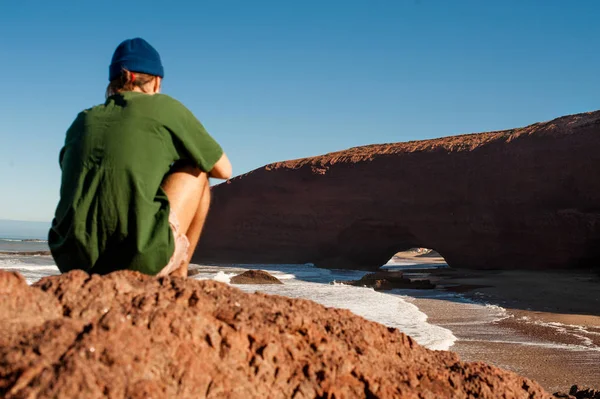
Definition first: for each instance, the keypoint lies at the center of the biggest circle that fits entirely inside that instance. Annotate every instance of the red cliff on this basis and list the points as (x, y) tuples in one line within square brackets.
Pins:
[(520, 198)]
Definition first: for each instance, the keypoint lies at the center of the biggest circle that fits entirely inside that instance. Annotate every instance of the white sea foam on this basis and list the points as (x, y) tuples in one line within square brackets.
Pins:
[(465, 311), (308, 282), (542, 344), (223, 277), (563, 327), (32, 268), (390, 310), (580, 332), (284, 276), (301, 281), (22, 266)]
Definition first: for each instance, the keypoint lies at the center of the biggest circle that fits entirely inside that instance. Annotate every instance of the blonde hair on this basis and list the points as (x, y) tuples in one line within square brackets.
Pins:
[(127, 82)]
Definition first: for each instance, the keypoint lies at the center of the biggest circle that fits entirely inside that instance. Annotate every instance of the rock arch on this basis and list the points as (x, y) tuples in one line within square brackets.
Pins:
[(521, 198)]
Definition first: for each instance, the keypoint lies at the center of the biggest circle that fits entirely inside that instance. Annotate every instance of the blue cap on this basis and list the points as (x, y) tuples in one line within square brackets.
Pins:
[(135, 55)]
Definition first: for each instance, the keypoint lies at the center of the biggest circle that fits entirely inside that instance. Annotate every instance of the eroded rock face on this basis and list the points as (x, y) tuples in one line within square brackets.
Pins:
[(130, 335), (521, 198)]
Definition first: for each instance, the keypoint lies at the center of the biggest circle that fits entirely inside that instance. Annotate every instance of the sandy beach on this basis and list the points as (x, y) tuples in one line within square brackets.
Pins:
[(550, 329)]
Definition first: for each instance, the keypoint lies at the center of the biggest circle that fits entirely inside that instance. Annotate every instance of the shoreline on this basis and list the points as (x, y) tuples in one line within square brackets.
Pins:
[(518, 330), (514, 344), (550, 331), (543, 325), (26, 253)]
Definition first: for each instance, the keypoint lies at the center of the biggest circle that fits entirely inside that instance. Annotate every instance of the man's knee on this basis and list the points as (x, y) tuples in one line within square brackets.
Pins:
[(186, 167), (185, 176)]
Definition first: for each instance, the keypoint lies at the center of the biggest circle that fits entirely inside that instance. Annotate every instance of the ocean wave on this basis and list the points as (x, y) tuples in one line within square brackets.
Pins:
[(309, 282), (223, 277), (26, 253), (582, 333), (542, 344), (22, 240), (20, 268), (387, 309), (32, 268)]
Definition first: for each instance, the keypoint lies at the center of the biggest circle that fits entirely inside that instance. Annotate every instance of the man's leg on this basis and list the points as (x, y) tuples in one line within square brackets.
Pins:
[(189, 197), (193, 233), (195, 229)]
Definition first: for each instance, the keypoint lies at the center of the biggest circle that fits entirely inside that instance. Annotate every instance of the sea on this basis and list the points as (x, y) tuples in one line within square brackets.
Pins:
[(31, 258), (460, 319)]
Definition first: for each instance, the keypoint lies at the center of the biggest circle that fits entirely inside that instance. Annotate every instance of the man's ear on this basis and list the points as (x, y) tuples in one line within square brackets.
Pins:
[(157, 84)]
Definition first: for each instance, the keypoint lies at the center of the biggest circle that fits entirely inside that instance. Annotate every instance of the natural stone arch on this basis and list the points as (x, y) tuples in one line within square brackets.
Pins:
[(521, 198)]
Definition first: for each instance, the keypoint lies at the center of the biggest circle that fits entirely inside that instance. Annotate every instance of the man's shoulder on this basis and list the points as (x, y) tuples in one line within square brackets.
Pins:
[(168, 101), (166, 107), (92, 112), (171, 111), (160, 107)]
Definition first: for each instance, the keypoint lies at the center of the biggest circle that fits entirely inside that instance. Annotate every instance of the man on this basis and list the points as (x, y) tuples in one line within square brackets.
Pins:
[(134, 189)]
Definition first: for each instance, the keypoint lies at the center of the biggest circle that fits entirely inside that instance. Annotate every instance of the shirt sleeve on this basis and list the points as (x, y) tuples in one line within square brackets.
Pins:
[(191, 139)]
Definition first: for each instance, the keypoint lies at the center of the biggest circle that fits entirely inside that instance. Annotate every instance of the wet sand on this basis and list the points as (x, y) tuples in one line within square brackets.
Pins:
[(553, 358), (546, 324)]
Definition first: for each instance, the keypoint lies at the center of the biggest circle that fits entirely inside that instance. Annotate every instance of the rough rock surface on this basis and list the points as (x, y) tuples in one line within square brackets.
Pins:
[(579, 393), (255, 277), (130, 335), (381, 281), (520, 198)]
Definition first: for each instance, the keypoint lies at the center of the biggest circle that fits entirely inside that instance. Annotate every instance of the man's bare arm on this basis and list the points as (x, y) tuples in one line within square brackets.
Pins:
[(222, 169)]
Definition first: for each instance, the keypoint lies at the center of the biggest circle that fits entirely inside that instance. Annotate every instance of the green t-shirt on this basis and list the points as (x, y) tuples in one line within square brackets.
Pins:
[(112, 212)]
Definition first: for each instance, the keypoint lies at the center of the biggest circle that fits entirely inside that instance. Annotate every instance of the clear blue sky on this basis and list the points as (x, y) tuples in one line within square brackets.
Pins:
[(276, 80)]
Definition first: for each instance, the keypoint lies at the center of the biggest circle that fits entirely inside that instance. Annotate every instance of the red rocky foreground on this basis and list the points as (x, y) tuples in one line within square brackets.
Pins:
[(135, 336), (519, 198)]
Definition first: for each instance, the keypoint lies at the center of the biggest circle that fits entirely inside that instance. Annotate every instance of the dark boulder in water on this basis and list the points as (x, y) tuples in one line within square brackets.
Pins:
[(579, 393), (255, 277), (128, 335), (381, 281)]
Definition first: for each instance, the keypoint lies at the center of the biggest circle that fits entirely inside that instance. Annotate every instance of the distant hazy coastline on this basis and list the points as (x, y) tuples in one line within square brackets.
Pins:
[(24, 230)]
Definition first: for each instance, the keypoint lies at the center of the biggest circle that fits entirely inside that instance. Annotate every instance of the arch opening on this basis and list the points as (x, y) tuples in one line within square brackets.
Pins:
[(417, 256)]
